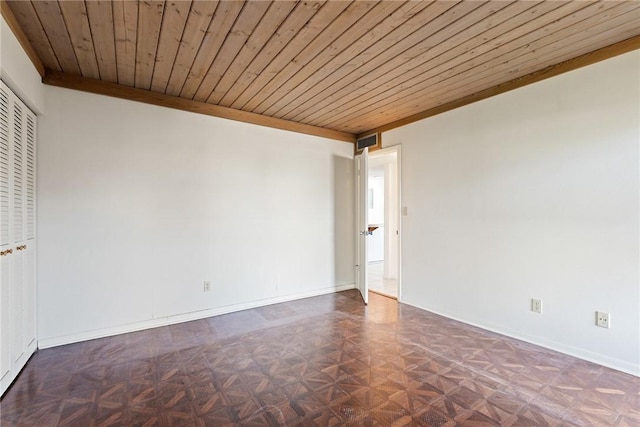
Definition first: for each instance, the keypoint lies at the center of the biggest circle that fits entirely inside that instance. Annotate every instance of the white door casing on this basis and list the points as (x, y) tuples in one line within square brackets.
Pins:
[(362, 222), (393, 211)]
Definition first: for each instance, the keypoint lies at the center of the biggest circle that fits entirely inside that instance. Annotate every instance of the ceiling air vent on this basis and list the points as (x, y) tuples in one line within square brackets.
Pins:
[(367, 141)]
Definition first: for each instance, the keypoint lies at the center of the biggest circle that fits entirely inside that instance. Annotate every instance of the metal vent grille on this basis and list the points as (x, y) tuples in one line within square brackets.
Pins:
[(366, 141)]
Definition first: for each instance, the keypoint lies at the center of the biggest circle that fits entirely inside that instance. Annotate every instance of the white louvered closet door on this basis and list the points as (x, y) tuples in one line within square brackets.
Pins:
[(29, 342), (6, 326), (17, 235)]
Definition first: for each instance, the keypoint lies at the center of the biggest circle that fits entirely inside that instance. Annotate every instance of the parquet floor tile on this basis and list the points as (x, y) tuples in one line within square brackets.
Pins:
[(322, 361)]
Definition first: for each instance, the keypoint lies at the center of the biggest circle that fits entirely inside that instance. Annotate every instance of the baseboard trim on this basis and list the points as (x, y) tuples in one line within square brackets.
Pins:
[(609, 362), (185, 317)]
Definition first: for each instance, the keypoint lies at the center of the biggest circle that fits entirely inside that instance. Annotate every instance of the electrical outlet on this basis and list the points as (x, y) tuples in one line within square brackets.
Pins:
[(602, 319), (207, 286), (536, 305)]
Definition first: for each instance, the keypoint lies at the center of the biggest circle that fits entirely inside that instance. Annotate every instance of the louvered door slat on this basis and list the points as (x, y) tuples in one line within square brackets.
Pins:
[(6, 309), (4, 168), (30, 173), (18, 176)]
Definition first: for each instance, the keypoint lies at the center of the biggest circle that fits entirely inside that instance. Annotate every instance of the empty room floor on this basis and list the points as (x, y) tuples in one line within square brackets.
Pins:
[(323, 361)]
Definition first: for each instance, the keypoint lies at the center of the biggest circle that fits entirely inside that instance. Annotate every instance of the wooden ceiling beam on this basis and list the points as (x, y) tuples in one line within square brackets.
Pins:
[(99, 87), (10, 18), (590, 58)]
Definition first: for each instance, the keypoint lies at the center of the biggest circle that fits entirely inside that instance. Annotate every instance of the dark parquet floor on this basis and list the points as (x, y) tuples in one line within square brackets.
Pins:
[(322, 361)]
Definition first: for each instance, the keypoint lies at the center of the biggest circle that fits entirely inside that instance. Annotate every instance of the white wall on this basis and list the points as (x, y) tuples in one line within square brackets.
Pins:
[(18, 72), (376, 203), (391, 212), (532, 194), (139, 205), (375, 242)]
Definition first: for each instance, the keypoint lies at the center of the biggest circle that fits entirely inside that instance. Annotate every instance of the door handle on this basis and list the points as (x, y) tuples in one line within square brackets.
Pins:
[(7, 252), (366, 233)]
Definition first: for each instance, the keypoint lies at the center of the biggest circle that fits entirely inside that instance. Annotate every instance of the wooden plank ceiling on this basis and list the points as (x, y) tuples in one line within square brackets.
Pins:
[(348, 66)]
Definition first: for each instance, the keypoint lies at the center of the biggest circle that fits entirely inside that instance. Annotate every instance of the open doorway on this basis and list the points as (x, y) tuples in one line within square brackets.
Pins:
[(383, 244)]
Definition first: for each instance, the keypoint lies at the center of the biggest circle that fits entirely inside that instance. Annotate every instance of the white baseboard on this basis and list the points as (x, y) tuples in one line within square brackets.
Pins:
[(609, 362), (180, 318)]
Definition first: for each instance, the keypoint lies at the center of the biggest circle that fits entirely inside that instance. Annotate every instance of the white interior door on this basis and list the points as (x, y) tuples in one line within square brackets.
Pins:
[(362, 222)]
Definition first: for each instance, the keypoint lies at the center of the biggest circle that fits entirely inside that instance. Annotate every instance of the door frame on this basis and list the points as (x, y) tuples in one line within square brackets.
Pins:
[(397, 149), (361, 223)]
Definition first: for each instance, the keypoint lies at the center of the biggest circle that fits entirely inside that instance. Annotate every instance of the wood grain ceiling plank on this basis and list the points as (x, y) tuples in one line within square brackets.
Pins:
[(473, 32), (337, 70), (377, 24), (173, 25), (197, 28), (29, 22), (149, 22), (314, 85), (349, 17), (530, 62), (453, 36), (420, 47), (564, 44), (387, 88), (225, 16), (327, 14), (537, 53), (125, 27), (287, 31), (75, 16), (368, 28), (604, 49), (590, 58), (75, 82), (261, 35), (252, 14), (100, 15), (54, 26)]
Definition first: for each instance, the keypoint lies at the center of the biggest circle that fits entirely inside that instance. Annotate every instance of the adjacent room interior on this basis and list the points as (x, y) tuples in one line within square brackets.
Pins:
[(384, 209), (191, 234)]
